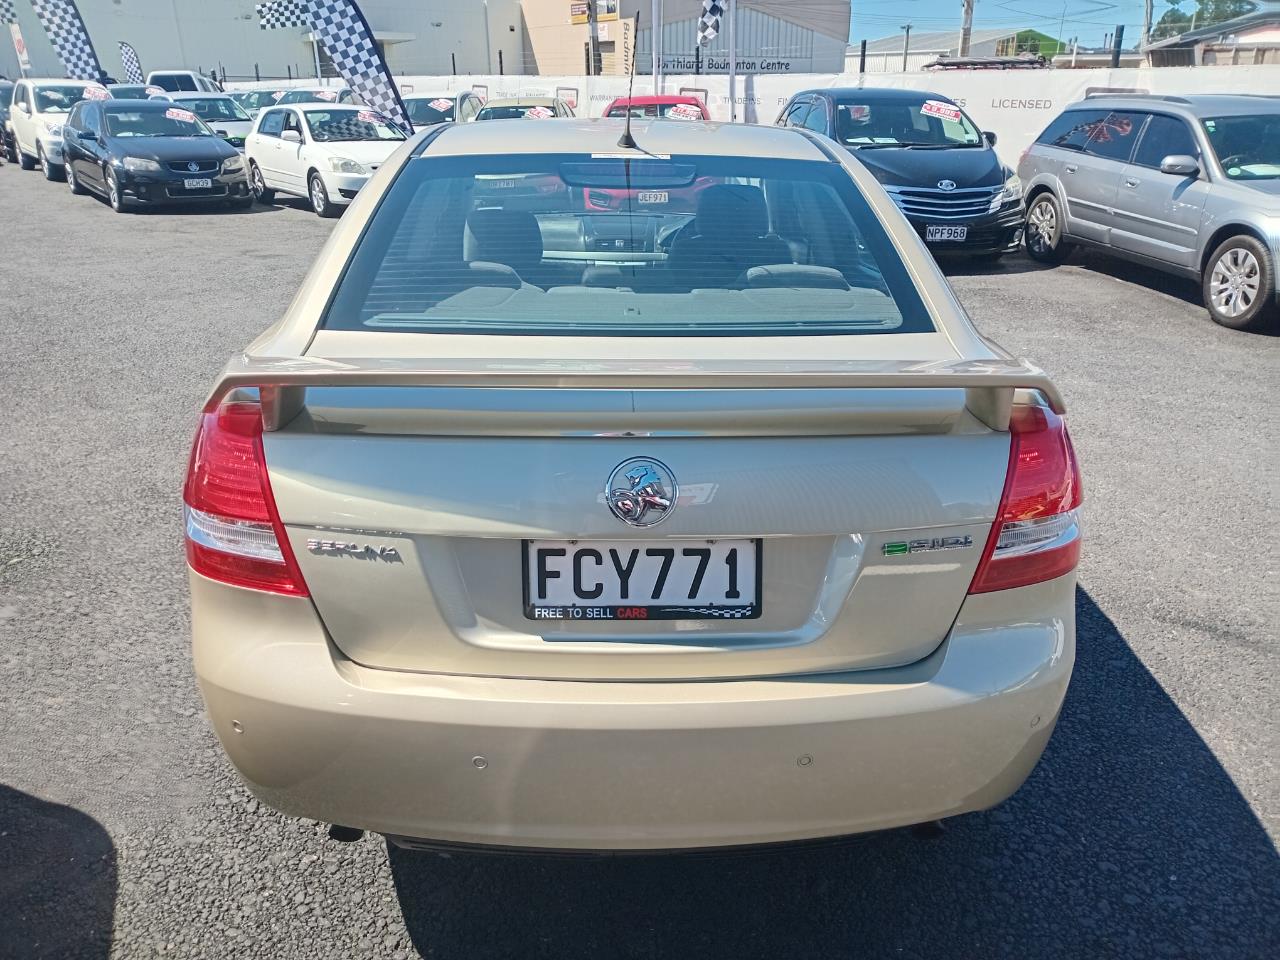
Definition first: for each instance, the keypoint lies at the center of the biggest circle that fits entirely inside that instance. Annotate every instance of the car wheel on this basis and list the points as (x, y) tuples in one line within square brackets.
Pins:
[(320, 198), (261, 192), (114, 196), (1239, 284), (25, 161), (1043, 231), (51, 171), (10, 149), (72, 182)]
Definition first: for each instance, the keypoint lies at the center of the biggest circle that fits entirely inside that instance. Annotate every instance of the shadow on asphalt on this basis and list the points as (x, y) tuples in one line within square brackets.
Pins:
[(1155, 280), (1129, 839), (57, 881)]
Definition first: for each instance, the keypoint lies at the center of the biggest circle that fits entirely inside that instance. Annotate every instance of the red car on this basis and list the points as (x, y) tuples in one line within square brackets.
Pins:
[(675, 107)]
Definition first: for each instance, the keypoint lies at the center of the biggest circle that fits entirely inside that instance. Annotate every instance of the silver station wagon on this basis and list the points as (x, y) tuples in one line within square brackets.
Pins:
[(592, 496), (1189, 185)]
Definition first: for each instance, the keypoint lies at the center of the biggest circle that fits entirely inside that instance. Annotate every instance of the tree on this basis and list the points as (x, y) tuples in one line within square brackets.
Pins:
[(1208, 12)]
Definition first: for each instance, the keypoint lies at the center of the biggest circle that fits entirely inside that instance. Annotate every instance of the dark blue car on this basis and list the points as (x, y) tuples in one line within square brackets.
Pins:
[(150, 152)]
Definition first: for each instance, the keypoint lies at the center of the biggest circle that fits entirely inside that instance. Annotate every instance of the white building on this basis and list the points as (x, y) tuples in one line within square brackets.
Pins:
[(417, 37)]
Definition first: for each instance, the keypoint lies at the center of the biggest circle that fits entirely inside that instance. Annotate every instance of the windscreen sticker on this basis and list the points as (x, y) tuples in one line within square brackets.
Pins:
[(685, 111), (538, 113), (95, 92), (368, 116), (278, 94), (152, 91), (173, 113), (937, 108), (326, 95), (441, 104), (858, 112)]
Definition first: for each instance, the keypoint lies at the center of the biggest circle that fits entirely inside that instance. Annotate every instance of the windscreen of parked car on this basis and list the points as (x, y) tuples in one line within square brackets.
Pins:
[(1248, 147), (653, 111), (872, 122), (256, 99), (311, 96), (423, 111), (58, 99), (696, 246), (170, 122), (328, 126), (514, 112), (212, 109), (131, 91)]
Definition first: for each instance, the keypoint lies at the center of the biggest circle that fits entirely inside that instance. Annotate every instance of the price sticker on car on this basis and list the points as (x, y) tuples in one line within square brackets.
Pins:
[(95, 92), (538, 113), (441, 104), (174, 113), (684, 111), (940, 109), (326, 95)]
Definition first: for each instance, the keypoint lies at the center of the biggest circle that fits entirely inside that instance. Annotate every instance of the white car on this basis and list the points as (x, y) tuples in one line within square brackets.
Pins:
[(427, 109), (220, 111), (39, 109), (321, 152), (174, 80)]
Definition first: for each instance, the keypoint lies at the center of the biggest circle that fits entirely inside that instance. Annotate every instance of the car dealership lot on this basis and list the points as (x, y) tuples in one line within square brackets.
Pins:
[(1148, 830)]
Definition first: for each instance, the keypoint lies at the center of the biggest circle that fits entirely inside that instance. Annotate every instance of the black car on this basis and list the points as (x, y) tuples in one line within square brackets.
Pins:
[(6, 95), (935, 163), (143, 152)]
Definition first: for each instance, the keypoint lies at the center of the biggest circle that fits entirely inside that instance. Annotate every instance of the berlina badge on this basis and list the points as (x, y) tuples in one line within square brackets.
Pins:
[(641, 491)]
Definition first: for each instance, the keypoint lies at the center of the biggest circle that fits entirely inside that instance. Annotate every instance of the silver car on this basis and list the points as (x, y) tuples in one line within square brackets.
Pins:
[(1190, 185), (703, 519)]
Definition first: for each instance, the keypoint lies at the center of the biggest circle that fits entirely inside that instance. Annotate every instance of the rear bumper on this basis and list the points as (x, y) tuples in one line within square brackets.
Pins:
[(618, 766)]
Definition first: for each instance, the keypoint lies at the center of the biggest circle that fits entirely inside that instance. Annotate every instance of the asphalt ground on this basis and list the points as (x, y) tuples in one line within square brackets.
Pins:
[(1148, 830)]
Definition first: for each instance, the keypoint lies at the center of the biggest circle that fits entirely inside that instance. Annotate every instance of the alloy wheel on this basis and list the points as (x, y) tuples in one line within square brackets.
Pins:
[(318, 200), (1235, 282), (1042, 226)]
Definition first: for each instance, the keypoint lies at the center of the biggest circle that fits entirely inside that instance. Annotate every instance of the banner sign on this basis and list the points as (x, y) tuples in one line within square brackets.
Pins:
[(70, 39), (348, 39), (132, 65)]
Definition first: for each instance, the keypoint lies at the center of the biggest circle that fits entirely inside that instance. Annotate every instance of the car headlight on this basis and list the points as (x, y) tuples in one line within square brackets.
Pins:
[(233, 165), (52, 128), (342, 165), (141, 165), (1012, 188)]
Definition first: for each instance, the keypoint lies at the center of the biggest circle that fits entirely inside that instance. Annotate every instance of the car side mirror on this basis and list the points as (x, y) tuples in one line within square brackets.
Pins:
[(1180, 165), (990, 137), (293, 136), (85, 134)]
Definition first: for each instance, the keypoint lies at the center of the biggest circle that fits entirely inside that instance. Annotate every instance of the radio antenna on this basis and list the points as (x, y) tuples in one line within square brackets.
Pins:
[(626, 140)]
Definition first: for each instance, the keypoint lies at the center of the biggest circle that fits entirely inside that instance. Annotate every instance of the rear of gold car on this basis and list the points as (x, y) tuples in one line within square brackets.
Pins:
[(582, 592)]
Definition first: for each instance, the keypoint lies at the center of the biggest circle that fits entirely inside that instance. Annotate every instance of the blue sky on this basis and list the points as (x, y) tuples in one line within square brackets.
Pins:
[(1090, 20)]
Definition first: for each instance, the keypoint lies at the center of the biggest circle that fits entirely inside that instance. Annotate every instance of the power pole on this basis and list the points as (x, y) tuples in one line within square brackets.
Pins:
[(906, 45), (595, 39), (1146, 22), (966, 28)]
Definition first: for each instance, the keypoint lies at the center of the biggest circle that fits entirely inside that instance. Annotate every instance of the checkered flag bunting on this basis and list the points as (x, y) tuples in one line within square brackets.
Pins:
[(279, 14), (132, 65), (709, 22), (7, 13), (346, 36), (70, 39)]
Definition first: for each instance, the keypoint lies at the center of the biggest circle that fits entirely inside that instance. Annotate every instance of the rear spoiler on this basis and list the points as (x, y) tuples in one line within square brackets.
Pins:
[(989, 385)]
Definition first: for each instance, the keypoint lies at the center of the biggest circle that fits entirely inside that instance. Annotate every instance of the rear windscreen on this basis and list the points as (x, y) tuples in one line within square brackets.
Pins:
[(576, 244)]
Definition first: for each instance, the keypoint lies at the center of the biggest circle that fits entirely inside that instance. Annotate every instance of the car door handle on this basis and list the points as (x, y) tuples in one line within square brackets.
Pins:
[(1072, 168), (1131, 181)]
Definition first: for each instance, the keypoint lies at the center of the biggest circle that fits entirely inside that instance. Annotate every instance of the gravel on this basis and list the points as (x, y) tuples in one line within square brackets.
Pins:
[(1148, 830)]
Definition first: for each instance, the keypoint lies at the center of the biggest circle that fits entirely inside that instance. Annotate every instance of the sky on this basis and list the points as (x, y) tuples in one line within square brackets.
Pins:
[(1090, 20)]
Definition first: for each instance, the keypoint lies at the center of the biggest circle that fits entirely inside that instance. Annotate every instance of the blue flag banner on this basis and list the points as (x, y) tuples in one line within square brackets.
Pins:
[(70, 39)]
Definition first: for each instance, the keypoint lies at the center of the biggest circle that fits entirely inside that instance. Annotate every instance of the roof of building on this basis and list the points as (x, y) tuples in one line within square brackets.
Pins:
[(936, 42), (1257, 18)]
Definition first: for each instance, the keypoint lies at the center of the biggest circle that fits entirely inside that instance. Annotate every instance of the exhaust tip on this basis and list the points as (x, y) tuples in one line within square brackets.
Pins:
[(344, 834)]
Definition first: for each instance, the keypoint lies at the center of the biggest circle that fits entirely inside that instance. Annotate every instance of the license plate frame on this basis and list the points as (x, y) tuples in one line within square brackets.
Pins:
[(668, 606), (198, 183), (946, 233)]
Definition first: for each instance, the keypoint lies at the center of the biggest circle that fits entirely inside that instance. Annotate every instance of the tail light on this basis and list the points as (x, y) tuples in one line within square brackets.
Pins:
[(1036, 536), (234, 533)]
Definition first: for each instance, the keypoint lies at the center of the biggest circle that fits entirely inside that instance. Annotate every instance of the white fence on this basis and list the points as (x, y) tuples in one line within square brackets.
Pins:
[(1015, 104)]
